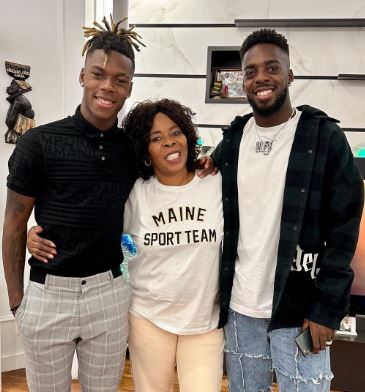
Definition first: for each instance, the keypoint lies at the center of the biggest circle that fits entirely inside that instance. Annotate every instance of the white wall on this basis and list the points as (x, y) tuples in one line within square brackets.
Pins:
[(314, 51), (218, 11), (47, 35)]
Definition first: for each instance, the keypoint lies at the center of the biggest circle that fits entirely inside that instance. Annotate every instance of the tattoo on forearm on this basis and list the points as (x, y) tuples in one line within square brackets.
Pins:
[(19, 207), (17, 254)]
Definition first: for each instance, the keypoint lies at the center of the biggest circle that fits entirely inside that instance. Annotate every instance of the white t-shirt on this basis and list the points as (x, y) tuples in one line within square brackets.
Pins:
[(261, 181), (178, 232)]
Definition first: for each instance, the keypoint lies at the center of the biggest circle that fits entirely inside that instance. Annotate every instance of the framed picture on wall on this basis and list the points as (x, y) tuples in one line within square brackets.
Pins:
[(224, 78), (231, 81)]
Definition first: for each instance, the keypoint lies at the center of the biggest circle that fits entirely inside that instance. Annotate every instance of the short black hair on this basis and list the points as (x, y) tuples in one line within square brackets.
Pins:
[(264, 36), (138, 122), (109, 41)]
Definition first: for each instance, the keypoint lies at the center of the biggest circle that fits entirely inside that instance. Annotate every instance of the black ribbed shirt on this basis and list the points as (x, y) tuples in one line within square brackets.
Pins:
[(81, 178)]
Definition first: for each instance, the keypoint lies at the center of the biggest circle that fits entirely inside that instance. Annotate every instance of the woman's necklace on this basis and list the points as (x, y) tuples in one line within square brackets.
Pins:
[(264, 143)]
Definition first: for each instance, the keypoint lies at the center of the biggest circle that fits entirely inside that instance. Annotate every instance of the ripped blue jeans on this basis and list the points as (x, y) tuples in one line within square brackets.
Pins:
[(252, 354)]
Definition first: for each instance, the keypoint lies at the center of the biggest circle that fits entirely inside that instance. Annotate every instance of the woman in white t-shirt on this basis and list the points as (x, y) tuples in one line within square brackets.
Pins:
[(175, 219)]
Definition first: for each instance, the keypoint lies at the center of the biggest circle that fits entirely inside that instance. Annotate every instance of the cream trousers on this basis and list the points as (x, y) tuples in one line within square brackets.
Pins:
[(155, 352)]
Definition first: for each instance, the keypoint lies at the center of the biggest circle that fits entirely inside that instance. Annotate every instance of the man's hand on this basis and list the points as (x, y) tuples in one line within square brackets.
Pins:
[(40, 248), (321, 336), (206, 167)]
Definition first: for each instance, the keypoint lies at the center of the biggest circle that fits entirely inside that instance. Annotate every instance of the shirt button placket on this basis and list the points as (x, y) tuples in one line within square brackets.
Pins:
[(101, 148)]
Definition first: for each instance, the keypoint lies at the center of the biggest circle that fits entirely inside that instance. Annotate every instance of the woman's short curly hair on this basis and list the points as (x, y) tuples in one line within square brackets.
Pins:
[(138, 123)]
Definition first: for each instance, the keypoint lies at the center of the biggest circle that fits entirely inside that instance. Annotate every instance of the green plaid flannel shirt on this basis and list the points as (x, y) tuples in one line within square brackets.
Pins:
[(322, 206)]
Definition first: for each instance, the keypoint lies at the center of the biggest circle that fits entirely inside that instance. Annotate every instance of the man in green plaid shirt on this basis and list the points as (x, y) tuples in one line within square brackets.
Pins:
[(292, 201)]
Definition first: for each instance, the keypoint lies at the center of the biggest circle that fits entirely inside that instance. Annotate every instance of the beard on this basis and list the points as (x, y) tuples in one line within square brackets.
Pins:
[(275, 107)]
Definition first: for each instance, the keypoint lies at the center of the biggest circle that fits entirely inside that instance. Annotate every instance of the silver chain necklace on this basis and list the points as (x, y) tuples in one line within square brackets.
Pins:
[(264, 144)]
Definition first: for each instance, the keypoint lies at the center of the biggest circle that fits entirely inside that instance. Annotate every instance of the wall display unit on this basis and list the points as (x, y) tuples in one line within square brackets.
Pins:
[(224, 75), (224, 80)]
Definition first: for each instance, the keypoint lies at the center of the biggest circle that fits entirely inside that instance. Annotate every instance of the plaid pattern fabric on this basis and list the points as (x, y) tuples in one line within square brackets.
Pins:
[(65, 314), (323, 200)]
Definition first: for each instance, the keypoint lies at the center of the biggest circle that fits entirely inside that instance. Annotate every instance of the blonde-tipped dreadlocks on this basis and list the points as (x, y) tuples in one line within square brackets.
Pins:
[(114, 28)]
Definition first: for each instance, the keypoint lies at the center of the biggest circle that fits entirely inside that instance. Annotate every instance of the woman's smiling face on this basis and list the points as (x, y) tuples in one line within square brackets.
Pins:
[(168, 150)]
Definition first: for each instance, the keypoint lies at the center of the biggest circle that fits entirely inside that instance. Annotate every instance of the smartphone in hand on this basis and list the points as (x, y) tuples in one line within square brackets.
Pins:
[(304, 342)]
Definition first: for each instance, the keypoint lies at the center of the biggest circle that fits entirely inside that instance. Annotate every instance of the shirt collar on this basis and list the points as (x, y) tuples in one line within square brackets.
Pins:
[(91, 131)]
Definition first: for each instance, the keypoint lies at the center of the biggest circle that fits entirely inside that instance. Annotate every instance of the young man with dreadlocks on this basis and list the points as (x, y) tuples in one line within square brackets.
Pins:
[(77, 174), (292, 201)]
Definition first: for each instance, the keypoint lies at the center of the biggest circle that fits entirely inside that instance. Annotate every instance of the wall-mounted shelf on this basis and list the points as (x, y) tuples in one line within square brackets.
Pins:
[(336, 22), (221, 58), (351, 77), (225, 125), (331, 77), (353, 129), (228, 58)]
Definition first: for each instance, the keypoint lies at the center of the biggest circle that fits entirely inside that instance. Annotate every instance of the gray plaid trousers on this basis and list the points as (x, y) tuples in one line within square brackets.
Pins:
[(64, 314)]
